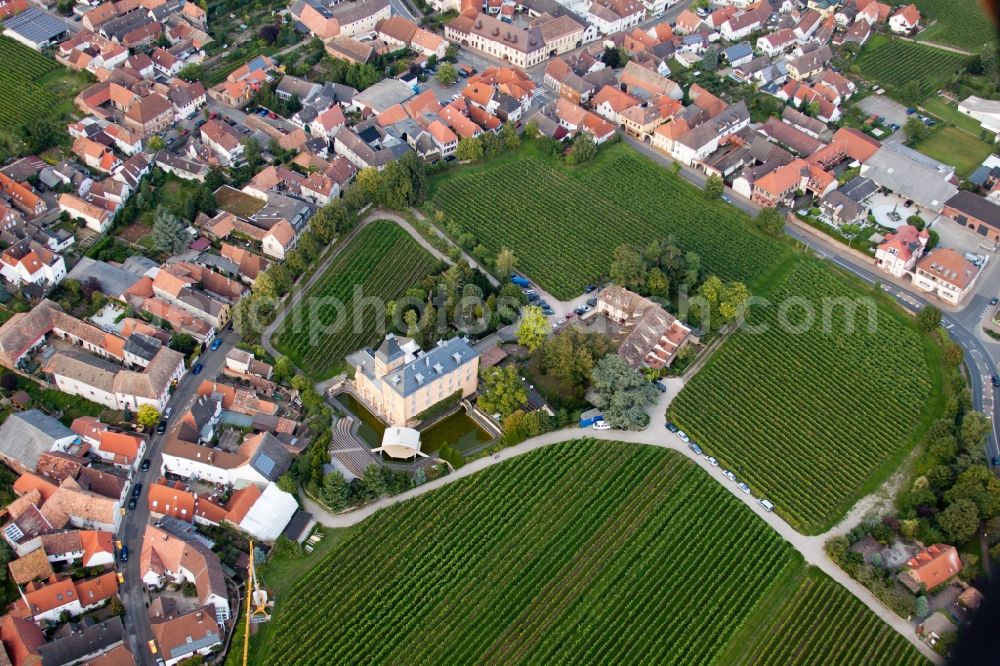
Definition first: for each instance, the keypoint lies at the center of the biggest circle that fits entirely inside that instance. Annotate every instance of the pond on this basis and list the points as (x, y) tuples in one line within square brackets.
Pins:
[(459, 430), (370, 427)]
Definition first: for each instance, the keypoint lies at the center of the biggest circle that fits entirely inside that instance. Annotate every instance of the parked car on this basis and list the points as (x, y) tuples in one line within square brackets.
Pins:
[(132, 502), (144, 467), (729, 475), (694, 447), (671, 427), (570, 315), (167, 412), (590, 288), (995, 380), (196, 370), (579, 310), (712, 461), (910, 111), (532, 298), (123, 554), (161, 427), (744, 487), (683, 436), (136, 490), (548, 312), (660, 386), (767, 505), (592, 302), (216, 343), (994, 300), (601, 425)]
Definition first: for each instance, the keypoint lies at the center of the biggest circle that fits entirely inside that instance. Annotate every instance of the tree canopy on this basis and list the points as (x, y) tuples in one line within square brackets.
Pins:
[(623, 393)]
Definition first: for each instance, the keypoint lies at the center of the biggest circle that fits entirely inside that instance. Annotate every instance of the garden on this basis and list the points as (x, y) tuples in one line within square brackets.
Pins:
[(381, 262), (561, 555), (564, 222), (814, 416), (908, 70)]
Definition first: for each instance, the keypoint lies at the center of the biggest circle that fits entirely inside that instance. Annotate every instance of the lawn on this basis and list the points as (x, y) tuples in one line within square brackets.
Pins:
[(893, 63), (335, 317), (814, 416), (564, 223), (948, 112), (959, 23), (583, 552), (952, 145)]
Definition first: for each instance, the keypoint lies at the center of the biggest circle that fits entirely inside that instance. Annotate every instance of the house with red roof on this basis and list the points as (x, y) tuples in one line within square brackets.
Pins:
[(906, 20), (897, 254), (931, 568)]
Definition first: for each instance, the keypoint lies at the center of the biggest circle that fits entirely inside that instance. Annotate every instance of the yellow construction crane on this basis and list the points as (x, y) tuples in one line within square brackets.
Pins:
[(257, 605)]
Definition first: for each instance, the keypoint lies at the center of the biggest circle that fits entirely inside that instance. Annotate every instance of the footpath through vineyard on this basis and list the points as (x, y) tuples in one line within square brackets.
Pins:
[(811, 547)]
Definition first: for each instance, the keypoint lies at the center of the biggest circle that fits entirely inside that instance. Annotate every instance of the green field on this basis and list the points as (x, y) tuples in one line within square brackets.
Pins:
[(799, 631), (949, 113), (957, 147), (33, 86), (584, 552), (382, 262), (893, 63), (564, 224), (959, 23), (813, 420)]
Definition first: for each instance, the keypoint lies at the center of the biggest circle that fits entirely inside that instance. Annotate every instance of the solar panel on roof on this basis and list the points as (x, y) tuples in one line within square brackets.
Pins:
[(264, 464)]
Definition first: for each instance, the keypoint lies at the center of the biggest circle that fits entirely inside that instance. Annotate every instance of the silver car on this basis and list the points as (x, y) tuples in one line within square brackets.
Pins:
[(683, 436), (712, 461), (744, 487), (729, 475)]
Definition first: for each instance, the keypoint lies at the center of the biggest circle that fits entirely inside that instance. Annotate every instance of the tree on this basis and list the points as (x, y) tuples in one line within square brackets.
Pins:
[(505, 262), (572, 353), (916, 130), (287, 483), (710, 60), (373, 482), (335, 490), (191, 72), (8, 381), (628, 268), (504, 391), (534, 328), (530, 130), (714, 187), (771, 221), (269, 33), (284, 369), (975, 426), (39, 135), (156, 142), (446, 74), (509, 136), (469, 149), (623, 393), (920, 607), (183, 342), (584, 148), (251, 153), (928, 319), (169, 234), (614, 57), (147, 415), (960, 520), (657, 283), (912, 93)]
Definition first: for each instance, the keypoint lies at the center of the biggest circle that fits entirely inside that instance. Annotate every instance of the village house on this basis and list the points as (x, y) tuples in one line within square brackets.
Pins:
[(168, 558), (906, 20), (898, 253), (930, 568), (946, 274), (27, 262), (974, 212), (652, 336)]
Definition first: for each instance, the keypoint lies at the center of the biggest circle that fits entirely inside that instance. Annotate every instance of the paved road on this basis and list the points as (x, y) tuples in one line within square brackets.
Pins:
[(811, 547), (134, 525)]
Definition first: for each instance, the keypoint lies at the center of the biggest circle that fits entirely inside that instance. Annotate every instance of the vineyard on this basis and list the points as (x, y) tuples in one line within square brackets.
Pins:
[(333, 319), (959, 23), (894, 63), (810, 414), (21, 98), (582, 552), (808, 628), (564, 226)]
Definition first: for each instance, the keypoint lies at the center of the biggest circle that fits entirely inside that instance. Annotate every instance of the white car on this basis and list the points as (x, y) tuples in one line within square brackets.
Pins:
[(712, 461), (601, 425), (683, 436), (744, 487), (729, 475)]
